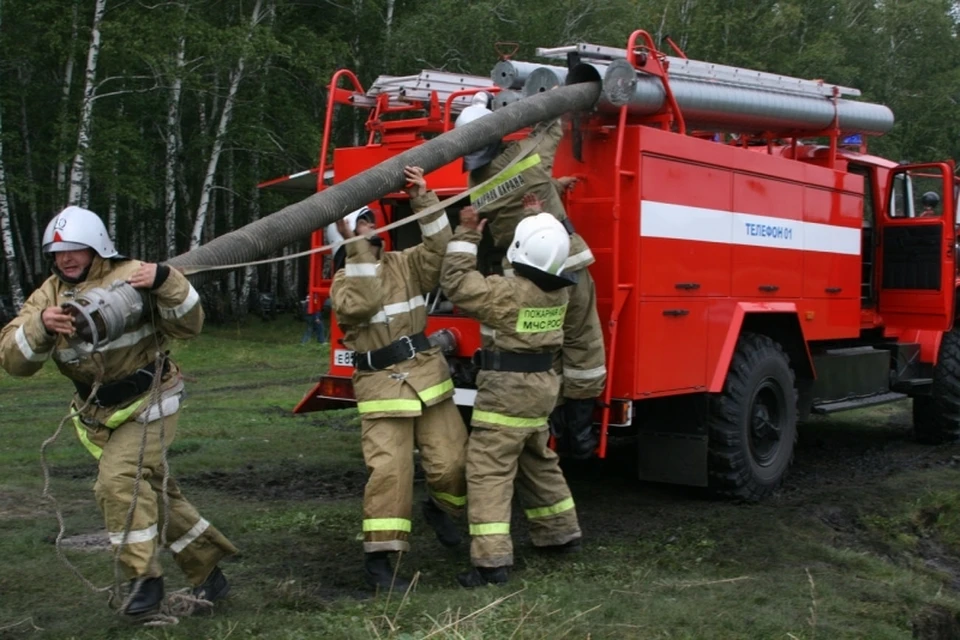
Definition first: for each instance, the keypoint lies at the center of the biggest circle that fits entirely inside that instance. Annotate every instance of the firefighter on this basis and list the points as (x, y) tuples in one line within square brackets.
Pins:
[(522, 319), (126, 404), (402, 385), (501, 203), (929, 200)]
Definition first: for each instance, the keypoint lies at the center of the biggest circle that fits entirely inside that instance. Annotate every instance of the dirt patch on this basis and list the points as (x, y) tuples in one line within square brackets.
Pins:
[(288, 482), (98, 541), (76, 471)]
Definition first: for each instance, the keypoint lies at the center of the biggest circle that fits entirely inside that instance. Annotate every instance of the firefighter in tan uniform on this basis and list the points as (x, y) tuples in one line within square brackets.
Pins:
[(501, 203), (112, 426), (522, 320), (402, 385)]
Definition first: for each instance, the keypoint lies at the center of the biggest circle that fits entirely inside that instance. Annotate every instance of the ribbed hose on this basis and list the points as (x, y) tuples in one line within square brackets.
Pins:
[(295, 222)]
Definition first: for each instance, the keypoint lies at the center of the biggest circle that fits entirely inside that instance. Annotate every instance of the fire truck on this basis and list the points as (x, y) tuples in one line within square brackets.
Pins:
[(754, 263)]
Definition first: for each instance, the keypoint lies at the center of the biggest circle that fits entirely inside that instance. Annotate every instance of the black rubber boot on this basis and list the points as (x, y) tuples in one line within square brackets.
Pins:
[(379, 573), (440, 522), (148, 597), (571, 546), (578, 428), (481, 576), (214, 588)]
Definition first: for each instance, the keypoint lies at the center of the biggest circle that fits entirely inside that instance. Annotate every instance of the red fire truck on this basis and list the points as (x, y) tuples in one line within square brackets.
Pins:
[(754, 263)]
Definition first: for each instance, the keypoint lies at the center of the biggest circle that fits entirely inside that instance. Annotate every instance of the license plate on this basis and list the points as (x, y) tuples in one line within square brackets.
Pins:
[(343, 357)]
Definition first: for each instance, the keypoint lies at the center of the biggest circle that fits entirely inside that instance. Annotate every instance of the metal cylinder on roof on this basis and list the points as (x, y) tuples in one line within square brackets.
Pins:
[(727, 107), (543, 79), (511, 74), (505, 97)]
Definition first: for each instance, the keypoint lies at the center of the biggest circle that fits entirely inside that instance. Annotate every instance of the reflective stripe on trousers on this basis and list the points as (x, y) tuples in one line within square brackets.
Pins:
[(490, 529), (503, 420), (387, 524), (552, 510)]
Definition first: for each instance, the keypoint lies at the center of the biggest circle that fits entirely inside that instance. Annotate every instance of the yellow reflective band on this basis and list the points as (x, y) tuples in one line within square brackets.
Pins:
[(387, 524), (388, 405), (490, 529), (509, 180), (543, 512), (541, 319), (122, 416), (94, 450), (457, 501), (436, 390), (507, 421)]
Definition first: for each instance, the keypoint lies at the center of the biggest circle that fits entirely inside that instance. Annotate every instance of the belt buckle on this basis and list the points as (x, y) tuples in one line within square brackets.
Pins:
[(407, 341)]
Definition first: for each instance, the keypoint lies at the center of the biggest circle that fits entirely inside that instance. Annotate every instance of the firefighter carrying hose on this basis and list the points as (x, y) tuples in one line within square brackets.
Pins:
[(402, 385), (522, 319), (138, 306), (501, 202)]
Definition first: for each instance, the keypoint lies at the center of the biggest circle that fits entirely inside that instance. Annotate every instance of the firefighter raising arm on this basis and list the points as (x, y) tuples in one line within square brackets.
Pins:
[(356, 291), (425, 258), (466, 287)]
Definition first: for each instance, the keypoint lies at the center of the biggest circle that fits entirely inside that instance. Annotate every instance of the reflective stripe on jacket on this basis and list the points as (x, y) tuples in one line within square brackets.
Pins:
[(173, 310), (502, 201), (516, 316), (378, 302)]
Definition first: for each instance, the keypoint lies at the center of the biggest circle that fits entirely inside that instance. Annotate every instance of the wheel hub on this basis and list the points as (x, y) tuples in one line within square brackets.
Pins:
[(766, 422)]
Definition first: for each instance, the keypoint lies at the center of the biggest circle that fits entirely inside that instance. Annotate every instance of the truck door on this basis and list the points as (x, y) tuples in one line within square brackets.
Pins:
[(917, 272)]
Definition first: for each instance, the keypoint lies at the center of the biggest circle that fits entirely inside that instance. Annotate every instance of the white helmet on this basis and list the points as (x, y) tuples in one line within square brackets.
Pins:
[(541, 242), (479, 106), (334, 237), (75, 228), (477, 109)]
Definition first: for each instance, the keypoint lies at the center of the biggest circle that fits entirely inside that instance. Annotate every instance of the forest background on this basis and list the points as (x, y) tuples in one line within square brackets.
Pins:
[(163, 116)]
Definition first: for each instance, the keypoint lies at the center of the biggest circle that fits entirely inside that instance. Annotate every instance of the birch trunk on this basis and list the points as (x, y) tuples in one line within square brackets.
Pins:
[(78, 172), (6, 234), (289, 275), (250, 273), (170, 176), (228, 216), (389, 21), (235, 77), (36, 266), (65, 102)]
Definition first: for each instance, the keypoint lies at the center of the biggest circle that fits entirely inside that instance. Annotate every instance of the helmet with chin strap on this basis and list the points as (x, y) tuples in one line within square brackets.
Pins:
[(74, 229), (541, 242)]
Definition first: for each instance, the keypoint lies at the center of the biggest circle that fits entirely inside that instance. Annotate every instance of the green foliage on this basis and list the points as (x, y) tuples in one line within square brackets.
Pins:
[(905, 54)]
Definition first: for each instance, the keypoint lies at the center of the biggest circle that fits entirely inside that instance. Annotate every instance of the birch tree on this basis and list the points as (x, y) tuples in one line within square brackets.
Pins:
[(78, 171), (65, 100), (6, 232), (236, 75), (172, 148)]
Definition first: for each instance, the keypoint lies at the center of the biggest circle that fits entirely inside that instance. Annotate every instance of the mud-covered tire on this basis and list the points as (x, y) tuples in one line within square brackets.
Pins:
[(936, 418), (752, 424)]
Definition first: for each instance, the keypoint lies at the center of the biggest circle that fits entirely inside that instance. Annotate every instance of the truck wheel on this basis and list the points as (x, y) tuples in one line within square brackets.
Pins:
[(753, 422), (936, 418)]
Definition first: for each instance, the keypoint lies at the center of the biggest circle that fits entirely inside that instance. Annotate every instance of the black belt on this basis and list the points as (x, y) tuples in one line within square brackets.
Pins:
[(405, 348), (112, 394), (512, 361), (568, 225)]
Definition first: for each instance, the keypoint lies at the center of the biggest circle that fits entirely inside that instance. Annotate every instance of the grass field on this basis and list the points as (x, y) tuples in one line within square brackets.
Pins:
[(861, 542)]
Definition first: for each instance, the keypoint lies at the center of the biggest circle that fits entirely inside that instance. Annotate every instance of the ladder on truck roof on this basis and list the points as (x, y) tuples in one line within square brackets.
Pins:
[(439, 94), (707, 71), (419, 89)]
